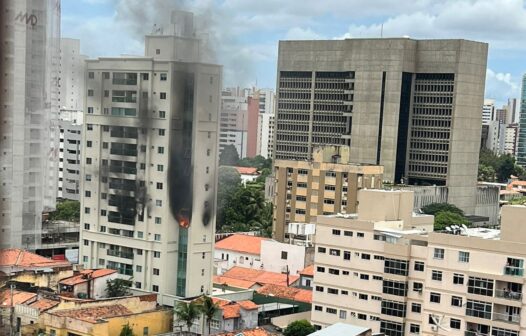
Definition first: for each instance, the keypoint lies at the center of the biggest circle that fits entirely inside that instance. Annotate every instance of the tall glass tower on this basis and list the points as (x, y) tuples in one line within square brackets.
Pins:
[(521, 149)]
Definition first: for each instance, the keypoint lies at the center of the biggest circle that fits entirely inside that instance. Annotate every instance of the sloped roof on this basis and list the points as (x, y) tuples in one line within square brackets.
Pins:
[(308, 271), (19, 297), (291, 293), (259, 276), (241, 243), (341, 329), (248, 305), (85, 275), (233, 282), (24, 259), (249, 332), (44, 304), (232, 309), (92, 314), (247, 170)]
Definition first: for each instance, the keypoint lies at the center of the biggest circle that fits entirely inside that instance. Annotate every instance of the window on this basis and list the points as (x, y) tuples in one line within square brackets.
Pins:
[(87, 210), (376, 298), (363, 297), (102, 229), (454, 323), (155, 271), (391, 328), (89, 127), (105, 145), (334, 252), (155, 288), (320, 269), (88, 160), (106, 75), (330, 310), (377, 277), (346, 255), (414, 328), (416, 308), (434, 297), (458, 279), (160, 168), (157, 254), (436, 275), (87, 193), (157, 237), (463, 256), (456, 301), (157, 51), (480, 286), (145, 76), (344, 292), (438, 253), (101, 262), (145, 331), (318, 308), (90, 93), (140, 234), (418, 287), (503, 332), (332, 291), (162, 95), (366, 256), (160, 150), (90, 110), (478, 309), (379, 257), (419, 266), (343, 314), (393, 308), (319, 289), (336, 232), (347, 233), (91, 75), (322, 250), (139, 252), (164, 76), (86, 226), (138, 268), (86, 242), (391, 287), (364, 276), (159, 185), (162, 114), (284, 255), (157, 220), (334, 271), (395, 266), (89, 143), (360, 234)]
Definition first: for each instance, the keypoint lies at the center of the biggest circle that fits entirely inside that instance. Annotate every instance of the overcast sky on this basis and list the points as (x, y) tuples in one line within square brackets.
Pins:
[(245, 33)]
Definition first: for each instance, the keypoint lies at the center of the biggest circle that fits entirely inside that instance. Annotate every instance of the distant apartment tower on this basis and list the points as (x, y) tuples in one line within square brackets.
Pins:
[(513, 111), (521, 148), (234, 120), (488, 111), (510, 139), (328, 184), (30, 141), (265, 132), (496, 137), (148, 197), (412, 106)]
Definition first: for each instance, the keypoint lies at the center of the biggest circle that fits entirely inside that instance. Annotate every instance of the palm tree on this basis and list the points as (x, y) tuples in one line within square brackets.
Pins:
[(187, 313), (209, 308)]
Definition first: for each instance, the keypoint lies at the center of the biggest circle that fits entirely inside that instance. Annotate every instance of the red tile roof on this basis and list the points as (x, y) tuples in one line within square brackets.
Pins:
[(24, 259), (92, 314), (84, 275), (308, 271), (231, 309), (233, 282), (291, 293), (248, 305), (259, 276), (44, 304), (18, 297), (247, 170), (241, 243), (249, 332)]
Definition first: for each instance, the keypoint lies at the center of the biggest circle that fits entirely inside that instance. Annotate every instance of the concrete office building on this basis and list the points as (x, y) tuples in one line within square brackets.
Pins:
[(29, 128), (521, 147), (149, 164), (412, 106), (384, 268), (328, 184)]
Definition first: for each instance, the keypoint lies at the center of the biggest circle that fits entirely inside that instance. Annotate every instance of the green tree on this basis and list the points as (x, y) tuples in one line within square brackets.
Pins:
[(67, 210), (505, 167), (126, 330), (118, 287), (518, 201), (435, 208), (209, 309), (299, 328), (229, 156), (258, 162), (187, 312), (265, 172), (486, 173), (447, 218), (229, 181)]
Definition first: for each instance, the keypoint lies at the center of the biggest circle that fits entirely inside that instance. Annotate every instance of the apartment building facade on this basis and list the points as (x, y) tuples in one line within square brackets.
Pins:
[(521, 148), (266, 129), (233, 126), (149, 165), (328, 184), (412, 106), (386, 269)]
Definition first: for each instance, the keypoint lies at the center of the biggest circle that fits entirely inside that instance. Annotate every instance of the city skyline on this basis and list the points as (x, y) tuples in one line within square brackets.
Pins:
[(249, 42)]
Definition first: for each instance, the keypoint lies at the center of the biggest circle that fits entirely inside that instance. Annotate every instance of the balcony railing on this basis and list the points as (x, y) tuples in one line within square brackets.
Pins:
[(507, 294), (120, 254), (123, 81), (511, 318), (474, 333), (512, 270)]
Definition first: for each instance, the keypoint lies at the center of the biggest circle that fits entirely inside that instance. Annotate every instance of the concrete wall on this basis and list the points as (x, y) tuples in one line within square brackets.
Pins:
[(271, 257), (226, 259)]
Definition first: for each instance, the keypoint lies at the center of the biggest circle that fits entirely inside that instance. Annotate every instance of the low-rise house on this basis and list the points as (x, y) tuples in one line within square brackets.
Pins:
[(27, 314), (249, 332), (248, 174), (290, 293), (234, 316), (9, 299), (306, 277), (90, 284), (260, 277)]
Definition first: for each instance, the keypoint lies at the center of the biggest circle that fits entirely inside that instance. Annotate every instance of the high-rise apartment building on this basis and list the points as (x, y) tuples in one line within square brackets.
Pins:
[(29, 127), (384, 268), (521, 148), (510, 139), (233, 126), (328, 184), (412, 106), (513, 111), (265, 132), (148, 197), (488, 111)]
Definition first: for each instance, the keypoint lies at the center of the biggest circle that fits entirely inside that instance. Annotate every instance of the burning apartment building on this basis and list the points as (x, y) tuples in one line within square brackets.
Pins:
[(148, 197)]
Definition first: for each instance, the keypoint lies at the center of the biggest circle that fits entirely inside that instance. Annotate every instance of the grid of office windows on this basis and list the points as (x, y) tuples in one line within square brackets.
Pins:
[(392, 287), (390, 328), (396, 266), (393, 308), (503, 332), (480, 286), (478, 309)]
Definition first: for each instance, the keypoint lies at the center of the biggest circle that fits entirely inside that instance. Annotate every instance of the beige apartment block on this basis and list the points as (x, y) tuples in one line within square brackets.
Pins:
[(328, 184), (384, 268)]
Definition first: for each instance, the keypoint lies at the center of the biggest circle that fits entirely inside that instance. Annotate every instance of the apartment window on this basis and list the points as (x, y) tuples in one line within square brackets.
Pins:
[(155, 288), (480, 286), (419, 266), (391, 287), (463, 256), (331, 310), (104, 145), (101, 262), (87, 210), (336, 232), (458, 279), (86, 226), (456, 301), (157, 51), (344, 292), (139, 252), (395, 266), (102, 229), (160, 168), (346, 255), (162, 95), (89, 143), (160, 150), (88, 160), (89, 127), (145, 76), (320, 269), (319, 289), (157, 237), (334, 252), (418, 287), (91, 75), (164, 76), (347, 233), (376, 298), (416, 308), (360, 234), (414, 328), (363, 296), (334, 271), (377, 277), (364, 276), (434, 297), (454, 323), (157, 254), (106, 75), (138, 268), (343, 314), (318, 308), (332, 291), (379, 257), (393, 308), (140, 234), (436, 275), (366, 256), (90, 93), (478, 309), (86, 242), (503, 332), (284, 255), (103, 212), (155, 271), (322, 250), (391, 328), (90, 110), (161, 131), (438, 253), (157, 220), (159, 185), (87, 193), (162, 114)]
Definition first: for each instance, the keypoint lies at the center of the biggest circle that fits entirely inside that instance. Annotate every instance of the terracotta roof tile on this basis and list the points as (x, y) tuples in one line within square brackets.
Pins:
[(241, 243), (92, 314), (84, 275), (231, 309), (259, 276), (247, 170), (24, 259), (248, 305), (291, 293), (19, 297), (233, 282), (248, 332), (44, 304), (308, 271)]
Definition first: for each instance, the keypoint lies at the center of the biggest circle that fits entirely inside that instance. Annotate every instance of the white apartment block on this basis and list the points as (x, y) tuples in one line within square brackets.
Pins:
[(234, 120), (384, 268), (148, 197), (72, 72), (29, 127), (488, 111), (70, 124), (265, 136), (511, 139)]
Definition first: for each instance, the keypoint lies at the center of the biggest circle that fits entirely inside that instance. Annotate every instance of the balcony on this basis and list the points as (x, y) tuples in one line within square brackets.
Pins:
[(120, 254), (507, 317), (474, 333), (514, 271), (508, 294)]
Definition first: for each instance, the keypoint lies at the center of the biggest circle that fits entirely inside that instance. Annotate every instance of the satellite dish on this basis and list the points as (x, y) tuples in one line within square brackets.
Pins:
[(437, 320)]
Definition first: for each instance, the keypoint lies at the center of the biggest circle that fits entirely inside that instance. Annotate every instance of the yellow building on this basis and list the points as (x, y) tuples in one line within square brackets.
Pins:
[(327, 184)]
